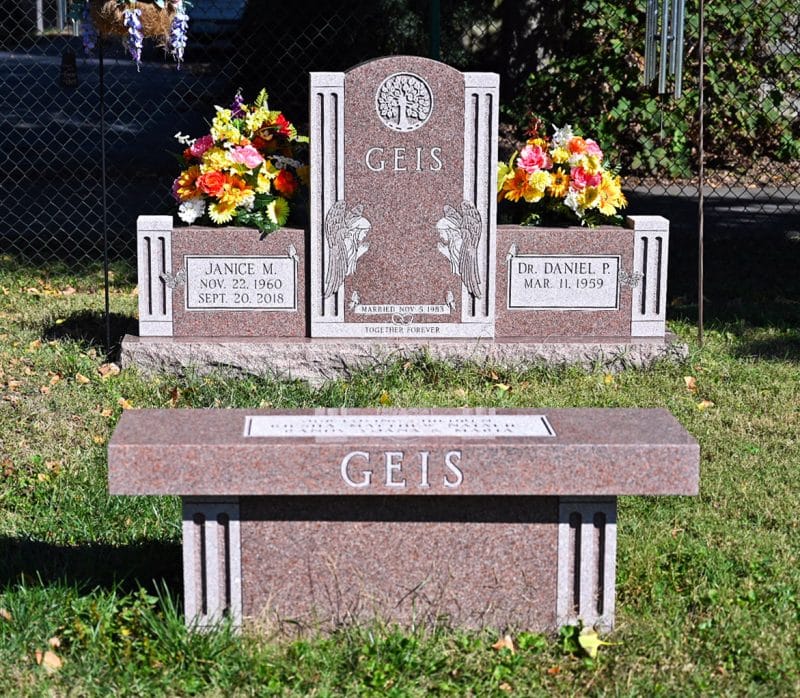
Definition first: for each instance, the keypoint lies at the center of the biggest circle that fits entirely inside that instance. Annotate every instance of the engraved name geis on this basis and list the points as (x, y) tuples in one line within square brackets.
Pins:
[(402, 159), (402, 469)]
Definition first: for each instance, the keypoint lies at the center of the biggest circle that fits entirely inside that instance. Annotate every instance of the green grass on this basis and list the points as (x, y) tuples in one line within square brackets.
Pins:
[(708, 586)]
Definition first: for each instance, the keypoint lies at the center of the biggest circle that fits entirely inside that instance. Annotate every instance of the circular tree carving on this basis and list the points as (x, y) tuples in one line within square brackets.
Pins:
[(404, 102)]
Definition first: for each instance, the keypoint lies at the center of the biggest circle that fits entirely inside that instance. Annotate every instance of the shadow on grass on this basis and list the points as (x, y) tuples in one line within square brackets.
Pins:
[(785, 347), (89, 327), (150, 564)]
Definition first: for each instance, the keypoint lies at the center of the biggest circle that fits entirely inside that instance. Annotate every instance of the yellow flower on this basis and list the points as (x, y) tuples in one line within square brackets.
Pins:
[(505, 172), (541, 142), (264, 183), (559, 185), (589, 197), (221, 213), (217, 159), (257, 118), (611, 196), (537, 185), (225, 132), (187, 183), (559, 156), (591, 164), (278, 211)]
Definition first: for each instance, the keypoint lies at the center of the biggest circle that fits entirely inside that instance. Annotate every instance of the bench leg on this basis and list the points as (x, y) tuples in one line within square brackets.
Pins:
[(212, 574), (587, 552)]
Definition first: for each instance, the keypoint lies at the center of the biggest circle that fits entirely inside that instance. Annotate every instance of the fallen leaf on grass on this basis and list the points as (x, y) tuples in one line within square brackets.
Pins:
[(98, 439), (505, 687), (33, 291), (80, 378), (35, 344), (704, 404), (68, 291), (174, 396), (5, 615), (460, 392), (608, 379), (691, 383), (124, 404), (502, 387), (54, 642), (554, 670), (44, 390), (385, 399), (504, 643), (49, 660), (54, 465), (13, 385), (55, 378), (108, 370), (590, 641)]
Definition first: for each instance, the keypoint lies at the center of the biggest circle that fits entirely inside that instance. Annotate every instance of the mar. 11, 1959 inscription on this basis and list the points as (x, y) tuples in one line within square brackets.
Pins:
[(561, 282), (241, 283)]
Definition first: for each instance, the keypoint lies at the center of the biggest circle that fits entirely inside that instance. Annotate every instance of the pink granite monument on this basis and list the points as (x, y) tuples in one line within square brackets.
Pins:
[(403, 255), (473, 517)]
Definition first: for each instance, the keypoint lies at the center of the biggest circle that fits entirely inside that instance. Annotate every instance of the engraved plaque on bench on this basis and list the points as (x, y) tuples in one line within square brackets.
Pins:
[(403, 151)]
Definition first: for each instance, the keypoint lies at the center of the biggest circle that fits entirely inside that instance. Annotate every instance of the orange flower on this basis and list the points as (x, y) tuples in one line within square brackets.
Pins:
[(211, 183), (285, 183), (576, 145), (187, 183)]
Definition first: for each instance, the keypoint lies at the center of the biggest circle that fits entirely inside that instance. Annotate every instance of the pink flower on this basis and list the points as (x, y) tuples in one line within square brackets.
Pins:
[(201, 145), (533, 158), (175, 185), (592, 148), (248, 156), (580, 179)]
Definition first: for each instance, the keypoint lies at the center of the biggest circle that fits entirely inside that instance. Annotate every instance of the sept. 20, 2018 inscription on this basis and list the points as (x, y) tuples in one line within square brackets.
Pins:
[(241, 283)]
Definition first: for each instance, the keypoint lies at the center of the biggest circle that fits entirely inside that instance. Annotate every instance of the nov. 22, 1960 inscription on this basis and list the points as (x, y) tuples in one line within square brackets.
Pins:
[(241, 283)]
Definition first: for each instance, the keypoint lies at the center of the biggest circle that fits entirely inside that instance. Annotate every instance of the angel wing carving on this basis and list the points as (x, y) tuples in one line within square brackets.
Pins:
[(345, 233), (337, 255), (459, 237), (470, 237), (173, 281)]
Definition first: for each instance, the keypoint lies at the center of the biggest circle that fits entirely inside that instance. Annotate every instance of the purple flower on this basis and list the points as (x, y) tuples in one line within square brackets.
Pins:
[(135, 35), (236, 108), (178, 32), (88, 31)]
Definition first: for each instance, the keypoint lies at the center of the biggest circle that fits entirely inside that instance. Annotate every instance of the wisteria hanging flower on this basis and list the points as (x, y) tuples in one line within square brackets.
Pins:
[(134, 20)]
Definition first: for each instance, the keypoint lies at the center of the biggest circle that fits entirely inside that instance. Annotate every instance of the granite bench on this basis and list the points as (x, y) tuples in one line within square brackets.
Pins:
[(473, 517)]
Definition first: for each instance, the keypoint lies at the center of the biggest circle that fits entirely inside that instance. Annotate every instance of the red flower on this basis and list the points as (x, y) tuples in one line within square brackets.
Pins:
[(211, 183), (284, 126), (286, 183)]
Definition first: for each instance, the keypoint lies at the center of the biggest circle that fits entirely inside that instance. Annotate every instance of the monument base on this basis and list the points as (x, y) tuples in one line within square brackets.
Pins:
[(321, 360)]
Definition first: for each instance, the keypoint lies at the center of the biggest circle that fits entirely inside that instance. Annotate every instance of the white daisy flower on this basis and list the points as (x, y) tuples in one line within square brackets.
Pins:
[(189, 211)]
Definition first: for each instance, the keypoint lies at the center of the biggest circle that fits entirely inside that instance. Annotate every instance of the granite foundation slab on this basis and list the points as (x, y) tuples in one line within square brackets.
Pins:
[(470, 517), (321, 360)]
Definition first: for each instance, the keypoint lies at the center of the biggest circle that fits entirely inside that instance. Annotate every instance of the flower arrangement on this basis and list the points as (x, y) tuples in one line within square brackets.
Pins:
[(563, 176), (243, 170), (165, 20)]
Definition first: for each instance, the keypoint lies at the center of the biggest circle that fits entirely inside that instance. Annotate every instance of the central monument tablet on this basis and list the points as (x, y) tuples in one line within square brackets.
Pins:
[(402, 201)]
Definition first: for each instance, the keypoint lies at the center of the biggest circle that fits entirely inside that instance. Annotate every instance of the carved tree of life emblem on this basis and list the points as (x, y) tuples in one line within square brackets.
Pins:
[(404, 102)]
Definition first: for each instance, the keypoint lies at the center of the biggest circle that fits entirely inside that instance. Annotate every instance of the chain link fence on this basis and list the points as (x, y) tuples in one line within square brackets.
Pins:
[(561, 60)]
